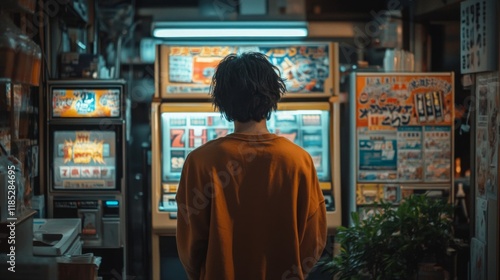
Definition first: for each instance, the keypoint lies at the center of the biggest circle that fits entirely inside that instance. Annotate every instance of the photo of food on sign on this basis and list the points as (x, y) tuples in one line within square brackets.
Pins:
[(391, 101)]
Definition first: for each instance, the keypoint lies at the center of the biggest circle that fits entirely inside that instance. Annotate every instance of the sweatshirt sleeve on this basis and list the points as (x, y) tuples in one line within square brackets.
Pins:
[(314, 234), (193, 218)]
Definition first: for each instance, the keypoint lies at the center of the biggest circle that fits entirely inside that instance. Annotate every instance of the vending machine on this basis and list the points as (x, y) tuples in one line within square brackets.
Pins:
[(183, 118), (401, 135), (86, 139)]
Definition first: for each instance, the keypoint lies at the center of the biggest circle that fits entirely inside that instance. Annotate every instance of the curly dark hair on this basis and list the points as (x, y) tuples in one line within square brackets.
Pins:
[(246, 87)]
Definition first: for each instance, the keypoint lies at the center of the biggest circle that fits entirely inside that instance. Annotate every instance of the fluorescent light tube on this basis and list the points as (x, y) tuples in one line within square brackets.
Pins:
[(226, 29), (230, 32)]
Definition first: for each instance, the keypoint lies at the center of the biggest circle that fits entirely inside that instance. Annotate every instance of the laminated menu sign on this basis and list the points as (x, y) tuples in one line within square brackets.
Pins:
[(377, 156), (416, 154), (85, 103), (305, 69), (437, 153), (410, 161)]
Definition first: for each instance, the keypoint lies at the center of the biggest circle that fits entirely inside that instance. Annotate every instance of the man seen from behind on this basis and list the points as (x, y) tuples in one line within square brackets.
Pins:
[(249, 203)]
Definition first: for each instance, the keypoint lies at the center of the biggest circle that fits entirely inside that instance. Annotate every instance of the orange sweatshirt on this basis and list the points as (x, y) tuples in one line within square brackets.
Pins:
[(250, 207)]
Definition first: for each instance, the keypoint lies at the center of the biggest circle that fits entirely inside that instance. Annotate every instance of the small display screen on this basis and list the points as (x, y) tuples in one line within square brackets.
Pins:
[(85, 103), (84, 160), (183, 132)]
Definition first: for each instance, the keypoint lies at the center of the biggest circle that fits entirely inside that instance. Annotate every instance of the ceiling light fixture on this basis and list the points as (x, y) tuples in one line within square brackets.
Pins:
[(259, 29)]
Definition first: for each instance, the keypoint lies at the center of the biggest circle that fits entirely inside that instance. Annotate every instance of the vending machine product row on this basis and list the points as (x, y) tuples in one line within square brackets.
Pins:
[(85, 144), (182, 119)]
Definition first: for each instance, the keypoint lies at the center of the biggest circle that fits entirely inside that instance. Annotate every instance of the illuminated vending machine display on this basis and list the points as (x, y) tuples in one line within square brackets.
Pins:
[(84, 160), (183, 118), (309, 129), (184, 131), (85, 144)]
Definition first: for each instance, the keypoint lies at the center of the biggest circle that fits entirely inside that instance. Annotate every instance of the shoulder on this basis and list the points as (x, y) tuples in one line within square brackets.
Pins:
[(294, 153), (205, 151)]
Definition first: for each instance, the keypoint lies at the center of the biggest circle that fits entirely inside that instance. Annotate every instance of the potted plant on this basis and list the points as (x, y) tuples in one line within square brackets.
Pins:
[(394, 241)]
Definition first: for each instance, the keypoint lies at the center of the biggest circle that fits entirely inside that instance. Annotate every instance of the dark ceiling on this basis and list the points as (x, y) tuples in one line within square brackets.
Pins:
[(450, 12), (327, 9), (329, 5), (315, 9), (166, 3)]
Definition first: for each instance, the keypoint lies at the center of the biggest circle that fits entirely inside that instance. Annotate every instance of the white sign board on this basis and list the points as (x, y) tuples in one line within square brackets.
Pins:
[(478, 50)]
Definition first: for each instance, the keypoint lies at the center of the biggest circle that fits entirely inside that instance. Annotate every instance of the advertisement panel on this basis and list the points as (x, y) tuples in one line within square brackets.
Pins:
[(85, 103), (403, 127), (388, 101), (305, 69)]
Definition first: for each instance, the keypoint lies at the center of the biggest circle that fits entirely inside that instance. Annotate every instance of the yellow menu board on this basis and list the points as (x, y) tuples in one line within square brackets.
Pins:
[(85, 103)]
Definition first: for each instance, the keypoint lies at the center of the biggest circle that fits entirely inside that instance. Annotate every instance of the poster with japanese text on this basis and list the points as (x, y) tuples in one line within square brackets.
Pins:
[(388, 101), (478, 36), (414, 111)]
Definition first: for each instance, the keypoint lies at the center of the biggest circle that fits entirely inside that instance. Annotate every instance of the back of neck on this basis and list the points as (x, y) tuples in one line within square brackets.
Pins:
[(251, 127)]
